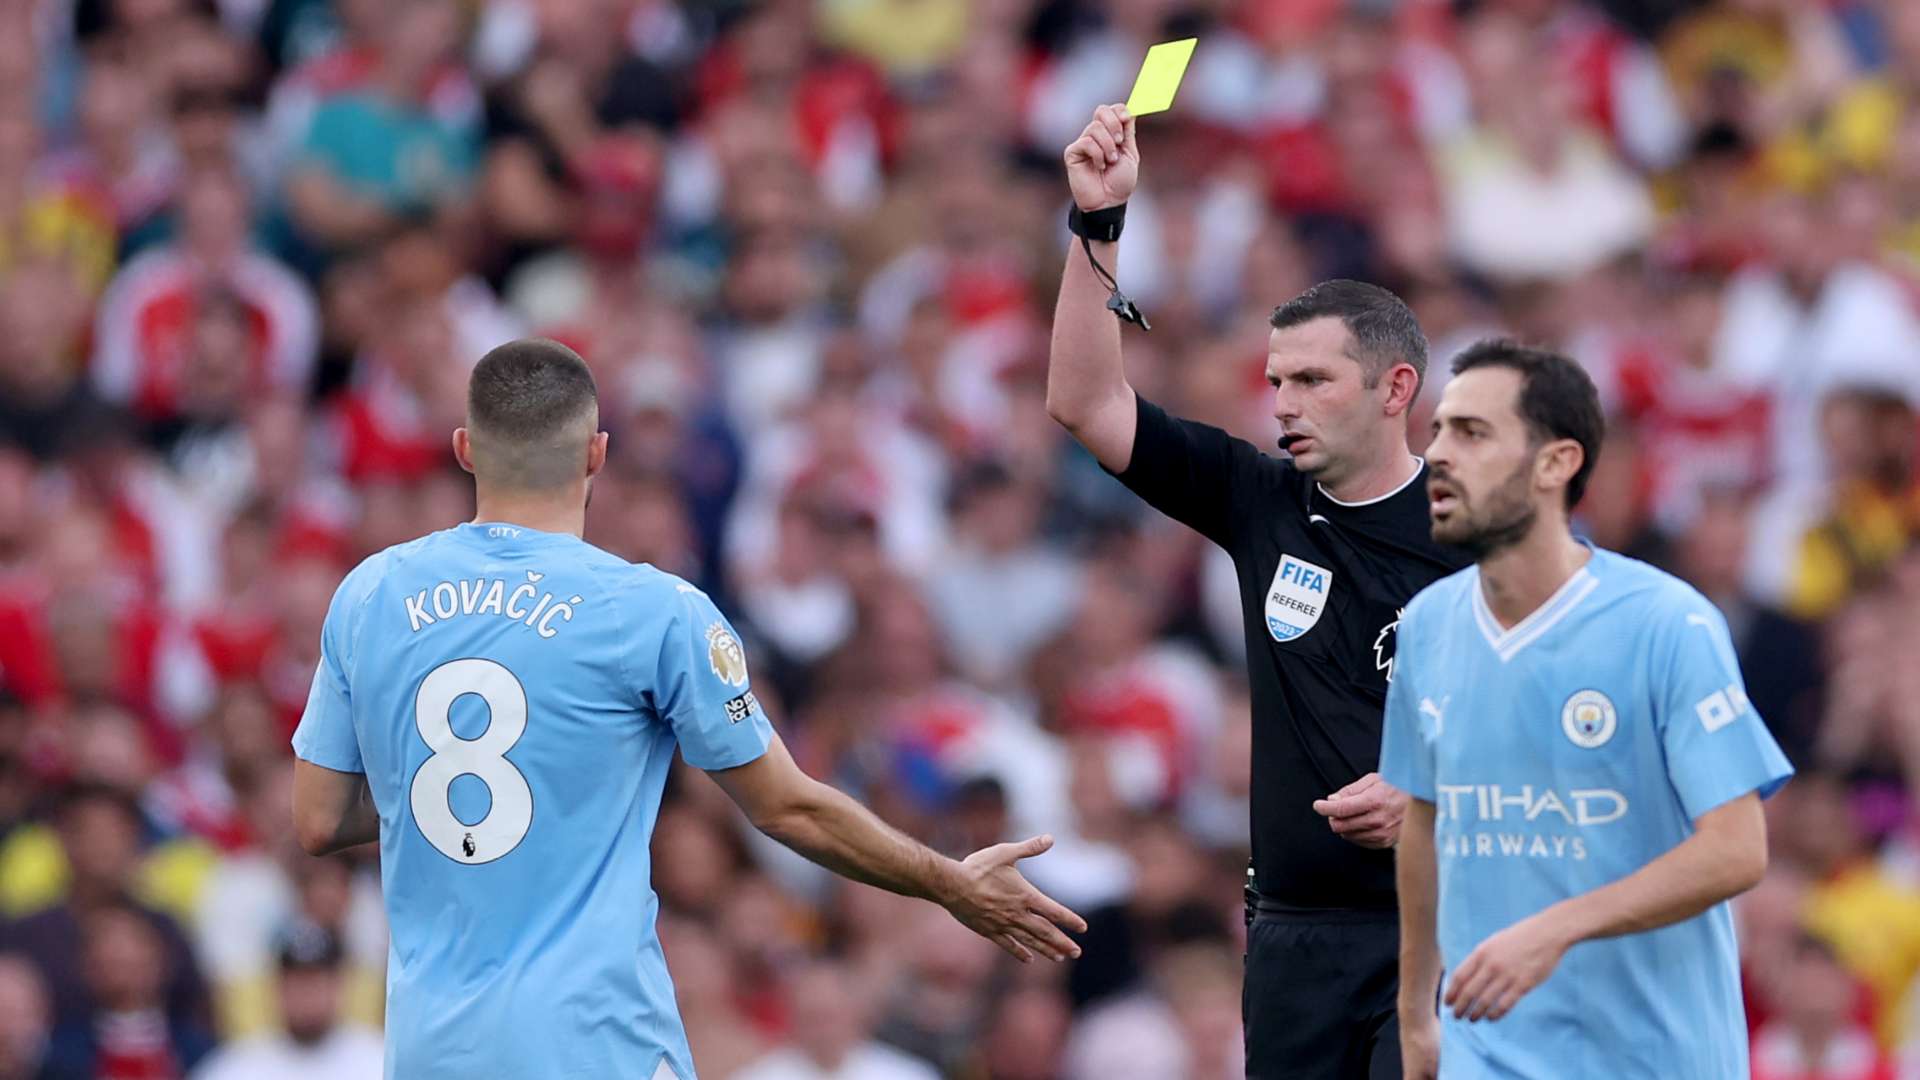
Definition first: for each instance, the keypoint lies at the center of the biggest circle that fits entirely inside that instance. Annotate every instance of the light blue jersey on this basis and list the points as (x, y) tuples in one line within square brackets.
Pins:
[(514, 698), (1563, 754)]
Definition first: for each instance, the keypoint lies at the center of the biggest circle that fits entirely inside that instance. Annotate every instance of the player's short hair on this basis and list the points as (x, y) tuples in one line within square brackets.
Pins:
[(531, 408), (1382, 327), (1557, 399)]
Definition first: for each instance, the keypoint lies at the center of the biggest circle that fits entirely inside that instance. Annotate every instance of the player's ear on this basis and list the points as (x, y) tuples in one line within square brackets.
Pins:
[(463, 448), (597, 454), (1558, 461)]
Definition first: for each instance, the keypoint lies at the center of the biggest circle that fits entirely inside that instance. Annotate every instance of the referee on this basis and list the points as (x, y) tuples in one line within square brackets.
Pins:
[(1329, 546)]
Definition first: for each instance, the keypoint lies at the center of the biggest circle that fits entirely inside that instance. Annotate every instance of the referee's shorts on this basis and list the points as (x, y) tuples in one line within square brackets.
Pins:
[(1320, 999)]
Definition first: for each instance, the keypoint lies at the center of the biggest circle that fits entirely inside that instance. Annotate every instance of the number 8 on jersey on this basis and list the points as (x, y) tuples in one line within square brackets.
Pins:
[(511, 813)]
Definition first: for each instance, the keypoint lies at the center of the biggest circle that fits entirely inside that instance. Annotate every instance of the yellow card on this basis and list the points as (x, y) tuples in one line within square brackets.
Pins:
[(1160, 76)]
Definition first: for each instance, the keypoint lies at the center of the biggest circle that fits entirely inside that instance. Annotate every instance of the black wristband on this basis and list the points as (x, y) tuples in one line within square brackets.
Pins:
[(1102, 225)]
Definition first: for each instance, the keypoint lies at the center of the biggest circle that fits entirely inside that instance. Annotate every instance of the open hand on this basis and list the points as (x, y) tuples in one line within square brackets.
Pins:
[(1366, 812), (1103, 164), (995, 902)]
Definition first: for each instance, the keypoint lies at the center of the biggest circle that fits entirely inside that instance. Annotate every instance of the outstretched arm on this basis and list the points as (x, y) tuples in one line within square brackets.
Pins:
[(985, 891), (1087, 390)]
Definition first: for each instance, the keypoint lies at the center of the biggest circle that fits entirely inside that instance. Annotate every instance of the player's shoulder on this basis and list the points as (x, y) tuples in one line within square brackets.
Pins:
[(1651, 593), (1442, 596), (361, 581), (646, 582)]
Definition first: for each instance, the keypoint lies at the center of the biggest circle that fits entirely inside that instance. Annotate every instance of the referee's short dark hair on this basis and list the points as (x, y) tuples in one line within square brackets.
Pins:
[(1557, 399), (531, 410), (1381, 325)]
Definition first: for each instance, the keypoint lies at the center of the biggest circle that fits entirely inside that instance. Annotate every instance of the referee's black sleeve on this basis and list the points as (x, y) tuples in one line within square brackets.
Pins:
[(1194, 473)]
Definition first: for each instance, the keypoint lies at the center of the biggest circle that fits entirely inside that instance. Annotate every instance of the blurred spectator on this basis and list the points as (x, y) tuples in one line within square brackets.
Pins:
[(644, 519), (943, 731), (1001, 590), (1620, 517), (832, 1015), (1532, 193), (1779, 655), (1812, 318), (1817, 1035), (1870, 920), (1699, 427), (666, 432), (1870, 511), (792, 596), (249, 250), (570, 152), (1155, 705), (409, 389), (768, 342), (43, 399), (908, 37), (208, 97), (44, 216), (316, 1044), (1187, 1024), (843, 451), (697, 860), (204, 795), (126, 1033), (255, 891), (1166, 907), (101, 844), (722, 1039), (204, 325), (122, 153), (938, 1005), (1027, 1035), (25, 1020), (376, 152)]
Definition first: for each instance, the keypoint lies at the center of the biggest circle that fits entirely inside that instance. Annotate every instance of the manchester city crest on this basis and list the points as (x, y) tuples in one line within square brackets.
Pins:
[(1589, 719)]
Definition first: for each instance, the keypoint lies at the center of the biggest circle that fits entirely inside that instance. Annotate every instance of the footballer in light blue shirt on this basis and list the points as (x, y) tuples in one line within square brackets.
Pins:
[(497, 704), (1585, 770)]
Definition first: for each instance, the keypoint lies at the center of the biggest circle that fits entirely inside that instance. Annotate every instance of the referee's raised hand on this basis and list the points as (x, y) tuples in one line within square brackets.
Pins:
[(1103, 164), (994, 901)]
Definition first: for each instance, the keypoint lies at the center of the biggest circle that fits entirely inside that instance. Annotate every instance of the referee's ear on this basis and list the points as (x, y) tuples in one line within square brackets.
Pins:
[(1402, 382)]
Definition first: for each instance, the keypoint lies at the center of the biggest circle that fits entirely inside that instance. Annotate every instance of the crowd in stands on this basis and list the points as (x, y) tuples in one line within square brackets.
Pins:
[(249, 250)]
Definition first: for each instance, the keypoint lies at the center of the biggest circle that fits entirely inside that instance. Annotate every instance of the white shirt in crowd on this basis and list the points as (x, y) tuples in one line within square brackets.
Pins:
[(870, 1061), (349, 1052)]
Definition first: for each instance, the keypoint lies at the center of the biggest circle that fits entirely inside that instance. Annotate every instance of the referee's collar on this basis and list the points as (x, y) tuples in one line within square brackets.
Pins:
[(1420, 466)]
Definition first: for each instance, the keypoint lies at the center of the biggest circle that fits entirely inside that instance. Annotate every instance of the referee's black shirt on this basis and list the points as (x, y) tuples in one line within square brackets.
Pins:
[(1322, 585)]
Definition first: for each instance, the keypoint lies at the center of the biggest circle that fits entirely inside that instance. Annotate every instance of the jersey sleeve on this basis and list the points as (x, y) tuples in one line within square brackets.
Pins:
[(1194, 473), (1717, 747), (1406, 751), (326, 736), (702, 690)]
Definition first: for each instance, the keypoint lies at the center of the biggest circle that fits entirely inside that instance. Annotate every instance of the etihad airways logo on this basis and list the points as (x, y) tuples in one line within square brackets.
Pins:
[(1583, 807), (1475, 807)]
